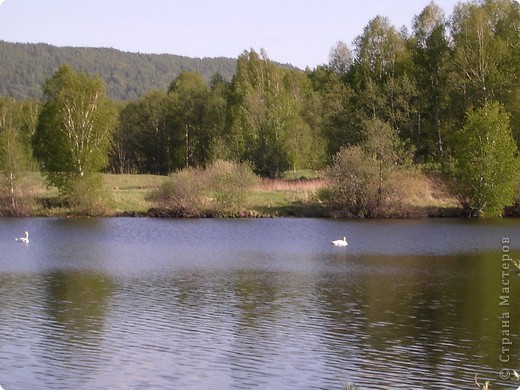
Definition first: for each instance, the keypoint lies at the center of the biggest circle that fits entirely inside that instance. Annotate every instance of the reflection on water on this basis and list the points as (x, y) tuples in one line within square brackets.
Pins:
[(209, 304)]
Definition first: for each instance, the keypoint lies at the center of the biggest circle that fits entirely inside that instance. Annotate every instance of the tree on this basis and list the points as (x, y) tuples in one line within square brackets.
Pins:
[(486, 63), (482, 171), (340, 58), (260, 114), (336, 109), (379, 50), (74, 129), (381, 77), (431, 55), (187, 138), (140, 140), (217, 121), (15, 156), (272, 119), (304, 141)]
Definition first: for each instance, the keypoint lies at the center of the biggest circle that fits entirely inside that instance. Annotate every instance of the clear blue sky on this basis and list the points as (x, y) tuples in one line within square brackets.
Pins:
[(300, 32)]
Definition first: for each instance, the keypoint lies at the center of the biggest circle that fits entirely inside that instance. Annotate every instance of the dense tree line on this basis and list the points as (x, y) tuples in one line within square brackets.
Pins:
[(445, 94), (421, 83), (266, 115)]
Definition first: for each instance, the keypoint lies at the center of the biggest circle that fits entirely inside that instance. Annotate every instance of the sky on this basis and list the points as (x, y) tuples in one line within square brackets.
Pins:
[(299, 32)]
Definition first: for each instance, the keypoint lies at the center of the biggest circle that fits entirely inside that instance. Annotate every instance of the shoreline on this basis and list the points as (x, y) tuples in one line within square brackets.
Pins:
[(288, 211), (128, 196)]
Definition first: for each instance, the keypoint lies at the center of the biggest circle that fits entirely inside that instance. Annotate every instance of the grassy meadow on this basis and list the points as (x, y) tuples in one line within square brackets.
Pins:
[(297, 195)]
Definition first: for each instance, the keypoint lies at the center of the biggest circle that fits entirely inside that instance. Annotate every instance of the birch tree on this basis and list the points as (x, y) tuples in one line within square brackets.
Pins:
[(381, 75), (12, 158), (188, 139), (431, 54), (484, 166), (74, 129), (486, 63)]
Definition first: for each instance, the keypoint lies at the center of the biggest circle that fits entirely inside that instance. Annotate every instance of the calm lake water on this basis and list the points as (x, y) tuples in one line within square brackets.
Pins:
[(128, 303)]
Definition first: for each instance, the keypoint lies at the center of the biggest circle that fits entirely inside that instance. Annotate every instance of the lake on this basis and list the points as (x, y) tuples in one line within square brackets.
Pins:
[(133, 303)]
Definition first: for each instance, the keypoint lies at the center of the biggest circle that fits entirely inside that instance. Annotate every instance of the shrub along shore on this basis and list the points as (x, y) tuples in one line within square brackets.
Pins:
[(378, 119), (294, 195)]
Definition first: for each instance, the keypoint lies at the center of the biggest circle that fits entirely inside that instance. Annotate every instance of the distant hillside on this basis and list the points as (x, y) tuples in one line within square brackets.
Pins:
[(24, 67)]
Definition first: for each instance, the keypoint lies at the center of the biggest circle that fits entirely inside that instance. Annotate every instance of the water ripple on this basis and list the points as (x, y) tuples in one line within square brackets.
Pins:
[(150, 309)]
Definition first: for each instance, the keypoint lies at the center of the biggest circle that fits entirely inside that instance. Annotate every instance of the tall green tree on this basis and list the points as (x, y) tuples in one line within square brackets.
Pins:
[(74, 129), (217, 121), (338, 123), (140, 140), (305, 144), (485, 64), (15, 153), (188, 139), (259, 111), (483, 169), (431, 58), (271, 116), (381, 77)]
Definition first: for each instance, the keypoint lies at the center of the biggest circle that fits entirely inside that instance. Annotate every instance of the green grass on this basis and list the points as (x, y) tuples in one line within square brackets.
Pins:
[(130, 193), (291, 196), (287, 198), (124, 194)]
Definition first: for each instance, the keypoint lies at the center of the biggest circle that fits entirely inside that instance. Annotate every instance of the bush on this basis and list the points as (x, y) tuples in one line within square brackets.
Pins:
[(367, 180), (230, 184), (353, 185), (222, 189), (355, 189), (181, 195), (19, 203), (85, 195)]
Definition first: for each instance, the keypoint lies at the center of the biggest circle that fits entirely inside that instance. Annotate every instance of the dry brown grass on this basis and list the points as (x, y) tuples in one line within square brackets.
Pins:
[(426, 195), (434, 193), (281, 197), (268, 185)]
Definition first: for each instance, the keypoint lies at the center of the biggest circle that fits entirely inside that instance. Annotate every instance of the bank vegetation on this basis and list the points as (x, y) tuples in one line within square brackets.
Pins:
[(389, 121)]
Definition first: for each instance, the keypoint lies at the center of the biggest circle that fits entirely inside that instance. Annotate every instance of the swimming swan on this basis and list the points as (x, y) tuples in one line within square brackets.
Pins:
[(341, 242), (25, 239)]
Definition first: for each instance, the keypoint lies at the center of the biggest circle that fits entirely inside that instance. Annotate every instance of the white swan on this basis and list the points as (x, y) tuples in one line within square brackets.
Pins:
[(341, 242), (25, 239)]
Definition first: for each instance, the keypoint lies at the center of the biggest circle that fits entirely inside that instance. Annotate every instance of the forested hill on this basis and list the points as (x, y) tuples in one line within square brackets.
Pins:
[(25, 66)]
